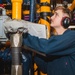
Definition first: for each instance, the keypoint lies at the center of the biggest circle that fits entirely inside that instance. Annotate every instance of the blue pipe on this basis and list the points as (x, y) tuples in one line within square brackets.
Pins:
[(32, 10)]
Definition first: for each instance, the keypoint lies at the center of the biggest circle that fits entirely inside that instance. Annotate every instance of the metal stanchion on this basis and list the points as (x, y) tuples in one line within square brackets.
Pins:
[(16, 43)]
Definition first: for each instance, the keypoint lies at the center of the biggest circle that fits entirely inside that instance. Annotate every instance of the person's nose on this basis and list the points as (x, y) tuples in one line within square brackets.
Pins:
[(52, 17)]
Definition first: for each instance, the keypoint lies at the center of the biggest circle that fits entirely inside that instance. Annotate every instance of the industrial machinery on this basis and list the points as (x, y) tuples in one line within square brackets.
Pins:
[(21, 16), (3, 17)]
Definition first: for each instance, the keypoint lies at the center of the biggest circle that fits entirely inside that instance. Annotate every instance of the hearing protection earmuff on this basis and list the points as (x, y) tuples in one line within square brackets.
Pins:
[(65, 22)]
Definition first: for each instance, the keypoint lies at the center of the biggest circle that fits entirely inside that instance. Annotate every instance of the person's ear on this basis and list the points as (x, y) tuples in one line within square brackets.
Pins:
[(65, 22)]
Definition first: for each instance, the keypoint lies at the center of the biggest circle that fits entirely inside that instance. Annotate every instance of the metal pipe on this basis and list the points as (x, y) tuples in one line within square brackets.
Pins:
[(45, 14), (44, 19), (32, 10), (16, 40), (16, 43), (16, 9)]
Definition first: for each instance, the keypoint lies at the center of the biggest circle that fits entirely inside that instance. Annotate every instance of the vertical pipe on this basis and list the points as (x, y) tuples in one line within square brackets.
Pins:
[(16, 9), (32, 16), (16, 40), (44, 19), (16, 43), (45, 14), (32, 10)]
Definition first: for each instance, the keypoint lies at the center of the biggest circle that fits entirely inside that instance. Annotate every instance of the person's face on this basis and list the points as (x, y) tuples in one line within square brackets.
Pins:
[(56, 19)]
